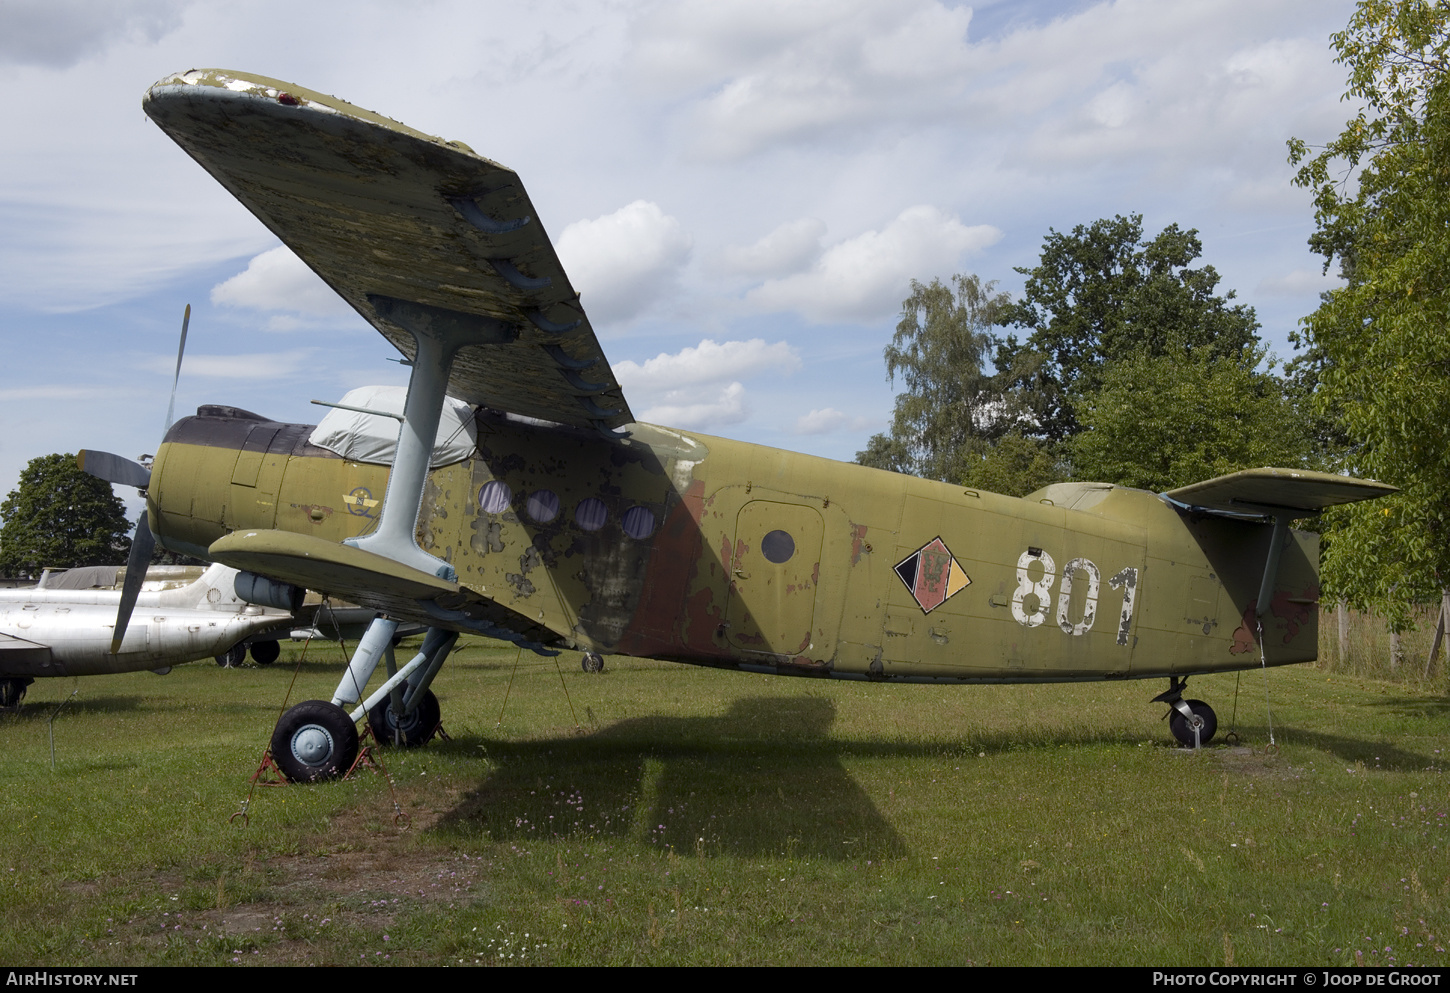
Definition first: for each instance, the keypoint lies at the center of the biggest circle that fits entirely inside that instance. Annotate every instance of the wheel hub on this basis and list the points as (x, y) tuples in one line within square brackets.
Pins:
[(313, 745)]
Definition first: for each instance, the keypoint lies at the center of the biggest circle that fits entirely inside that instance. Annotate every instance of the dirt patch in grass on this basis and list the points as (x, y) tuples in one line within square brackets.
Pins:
[(1253, 762), (343, 899)]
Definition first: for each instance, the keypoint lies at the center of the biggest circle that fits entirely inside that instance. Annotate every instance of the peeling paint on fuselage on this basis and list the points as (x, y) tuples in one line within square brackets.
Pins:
[(637, 547)]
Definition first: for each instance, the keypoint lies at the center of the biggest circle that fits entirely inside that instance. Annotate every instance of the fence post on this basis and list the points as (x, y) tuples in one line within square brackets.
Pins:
[(1342, 611), (1439, 633)]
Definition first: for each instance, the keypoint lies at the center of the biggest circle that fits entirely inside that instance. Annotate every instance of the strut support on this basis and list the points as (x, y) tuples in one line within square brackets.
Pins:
[(416, 675)]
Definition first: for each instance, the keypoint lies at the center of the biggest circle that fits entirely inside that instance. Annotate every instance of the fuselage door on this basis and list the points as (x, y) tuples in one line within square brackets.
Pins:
[(774, 571)]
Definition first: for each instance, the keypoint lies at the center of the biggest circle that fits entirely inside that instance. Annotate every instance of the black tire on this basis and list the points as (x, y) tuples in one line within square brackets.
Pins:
[(592, 662), (233, 657), (12, 691), (265, 652), (1205, 717), (313, 741), (413, 730)]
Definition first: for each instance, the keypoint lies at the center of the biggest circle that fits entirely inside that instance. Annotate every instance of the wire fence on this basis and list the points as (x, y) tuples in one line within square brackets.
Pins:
[(1364, 646)]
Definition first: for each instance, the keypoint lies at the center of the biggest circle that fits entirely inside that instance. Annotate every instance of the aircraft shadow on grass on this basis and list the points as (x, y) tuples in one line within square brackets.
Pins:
[(39, 712), (1416, 706), (658, 780), (1374, 754)]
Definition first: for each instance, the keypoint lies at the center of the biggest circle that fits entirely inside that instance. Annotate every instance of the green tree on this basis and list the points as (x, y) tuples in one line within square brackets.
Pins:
[(60, 516), (1161, 421), (1382, 204), (951, 405), (1013, 465), (1103, 294)]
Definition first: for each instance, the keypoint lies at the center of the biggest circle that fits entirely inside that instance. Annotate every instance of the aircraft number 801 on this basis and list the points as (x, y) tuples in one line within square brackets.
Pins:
[(1126, 580)]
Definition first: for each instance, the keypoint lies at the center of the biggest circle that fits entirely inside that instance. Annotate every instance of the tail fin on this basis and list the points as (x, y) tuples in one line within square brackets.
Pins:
[(215, 589)]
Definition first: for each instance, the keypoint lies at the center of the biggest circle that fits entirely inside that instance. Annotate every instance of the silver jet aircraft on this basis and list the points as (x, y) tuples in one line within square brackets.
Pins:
[(68, 632)]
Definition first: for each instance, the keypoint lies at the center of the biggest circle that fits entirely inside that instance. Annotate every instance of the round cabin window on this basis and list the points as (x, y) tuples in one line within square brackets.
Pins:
[(590, 514), (777, 547), (638, 522), (543, 505), (495, 496)]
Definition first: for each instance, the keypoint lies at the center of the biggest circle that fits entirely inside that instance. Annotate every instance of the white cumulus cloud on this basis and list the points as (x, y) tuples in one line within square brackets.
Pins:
[(864, 278), (707, 362), (623, 262), (687, 408), (788, 249), (278, 280)]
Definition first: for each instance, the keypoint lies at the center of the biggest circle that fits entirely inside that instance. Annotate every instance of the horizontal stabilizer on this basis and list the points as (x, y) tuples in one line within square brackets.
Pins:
[(1260, 491)]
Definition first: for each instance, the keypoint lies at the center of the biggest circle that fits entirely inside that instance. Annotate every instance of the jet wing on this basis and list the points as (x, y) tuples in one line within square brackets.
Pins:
[(408, 229), (1258, 491)]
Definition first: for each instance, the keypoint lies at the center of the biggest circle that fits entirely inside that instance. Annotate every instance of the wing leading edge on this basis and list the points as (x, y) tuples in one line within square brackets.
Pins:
[(410, 230)]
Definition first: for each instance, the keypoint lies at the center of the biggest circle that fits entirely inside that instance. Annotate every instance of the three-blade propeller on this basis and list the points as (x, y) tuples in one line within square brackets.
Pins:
[(116, 469)]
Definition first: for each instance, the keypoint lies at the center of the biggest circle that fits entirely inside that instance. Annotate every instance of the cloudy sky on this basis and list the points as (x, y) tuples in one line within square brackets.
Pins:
[(741, 191)]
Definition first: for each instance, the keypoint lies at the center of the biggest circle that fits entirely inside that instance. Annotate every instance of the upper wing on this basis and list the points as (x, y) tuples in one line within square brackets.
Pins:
[(407, 228), (1256, 491)]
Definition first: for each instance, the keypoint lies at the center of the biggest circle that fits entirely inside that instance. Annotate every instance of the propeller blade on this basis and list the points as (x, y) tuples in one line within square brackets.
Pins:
[(171, 407), (114, 469), (143, 543)]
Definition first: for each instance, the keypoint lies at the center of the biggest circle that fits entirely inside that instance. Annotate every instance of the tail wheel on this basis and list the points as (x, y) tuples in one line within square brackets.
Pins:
[(313, 741), (410, 730), (1203, 717), (592, 662)]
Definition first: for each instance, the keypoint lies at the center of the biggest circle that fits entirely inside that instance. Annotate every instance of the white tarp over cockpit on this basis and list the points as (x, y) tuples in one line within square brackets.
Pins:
[(374, 437)]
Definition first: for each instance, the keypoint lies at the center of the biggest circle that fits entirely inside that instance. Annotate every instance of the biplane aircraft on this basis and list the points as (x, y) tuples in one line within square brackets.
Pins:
[(569, 526)]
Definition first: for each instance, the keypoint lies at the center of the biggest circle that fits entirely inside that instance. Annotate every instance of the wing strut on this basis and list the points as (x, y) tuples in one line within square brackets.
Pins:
[(438, 342)]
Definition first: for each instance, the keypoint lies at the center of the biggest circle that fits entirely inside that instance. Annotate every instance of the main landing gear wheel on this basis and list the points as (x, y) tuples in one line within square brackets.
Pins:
[(233, 657), (265, 652), (12, 691), (412, 729), (313, 741), (1182, 727), (592, 662)]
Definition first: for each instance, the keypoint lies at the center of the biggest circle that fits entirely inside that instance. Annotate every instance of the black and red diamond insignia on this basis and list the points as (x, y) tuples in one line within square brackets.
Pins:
[(932, 575)]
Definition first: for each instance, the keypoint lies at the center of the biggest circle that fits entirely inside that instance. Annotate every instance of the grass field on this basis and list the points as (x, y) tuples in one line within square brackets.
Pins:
[(703, 817)]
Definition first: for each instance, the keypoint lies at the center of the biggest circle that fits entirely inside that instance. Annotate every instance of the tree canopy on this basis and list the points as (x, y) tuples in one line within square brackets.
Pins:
[(1161, 421), (1134, 372), (951, 404), (61, 516), (1104, 294), (1382, 205)]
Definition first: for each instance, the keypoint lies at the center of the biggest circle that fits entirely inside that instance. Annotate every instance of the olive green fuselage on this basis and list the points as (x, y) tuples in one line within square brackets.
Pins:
[(678, 546)]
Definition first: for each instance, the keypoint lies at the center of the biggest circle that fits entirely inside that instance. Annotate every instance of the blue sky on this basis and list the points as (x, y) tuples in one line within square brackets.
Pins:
[(741, 191)]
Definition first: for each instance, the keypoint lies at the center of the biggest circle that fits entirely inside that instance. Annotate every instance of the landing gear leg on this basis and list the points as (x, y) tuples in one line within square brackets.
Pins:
[(403, 710), (1192, 722)]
